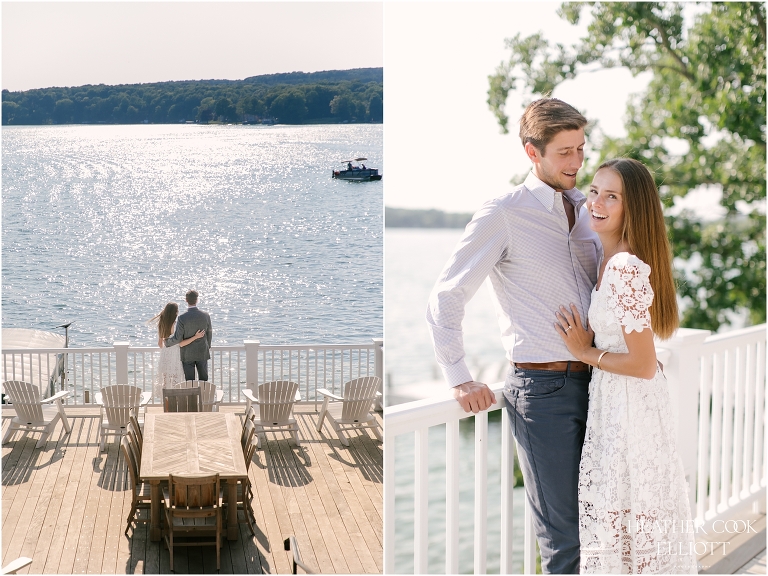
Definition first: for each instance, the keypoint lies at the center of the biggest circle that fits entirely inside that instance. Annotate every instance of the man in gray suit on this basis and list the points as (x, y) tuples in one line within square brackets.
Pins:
[(197, 353)]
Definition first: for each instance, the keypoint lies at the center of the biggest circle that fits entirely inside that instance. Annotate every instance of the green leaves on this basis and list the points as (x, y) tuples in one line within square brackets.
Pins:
[(701, 122), (297, 97)]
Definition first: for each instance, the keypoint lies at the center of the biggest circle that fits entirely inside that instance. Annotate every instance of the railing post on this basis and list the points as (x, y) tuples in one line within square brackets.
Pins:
[(452, 497), (683, 374), (251, 362), (421, 502), (378, 369), (121, 361), (507, 494), (481, 492), (389, 502)]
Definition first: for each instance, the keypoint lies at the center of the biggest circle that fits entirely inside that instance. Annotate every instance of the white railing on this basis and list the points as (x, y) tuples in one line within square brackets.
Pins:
[(717, 389), (731, 467), (419, 417), (231, 368)]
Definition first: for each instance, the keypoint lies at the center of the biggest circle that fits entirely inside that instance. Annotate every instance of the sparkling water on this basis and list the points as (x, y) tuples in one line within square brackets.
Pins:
[(103, 225)]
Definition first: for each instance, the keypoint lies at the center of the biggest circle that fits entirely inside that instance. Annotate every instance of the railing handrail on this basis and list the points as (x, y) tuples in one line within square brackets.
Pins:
[(232, 367), (410, 416), (433, 411), (733, 334), (220, 348)]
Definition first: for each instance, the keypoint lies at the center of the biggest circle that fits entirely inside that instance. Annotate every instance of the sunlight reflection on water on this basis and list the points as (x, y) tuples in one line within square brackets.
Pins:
[(105, 224)]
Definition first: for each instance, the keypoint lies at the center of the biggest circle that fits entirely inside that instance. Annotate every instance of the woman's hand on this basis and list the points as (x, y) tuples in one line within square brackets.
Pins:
[(571, 330), (199, 334)]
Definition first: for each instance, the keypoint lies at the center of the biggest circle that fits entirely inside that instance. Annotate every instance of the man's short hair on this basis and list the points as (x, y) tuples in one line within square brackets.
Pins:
[(192, 297), (545, 118)]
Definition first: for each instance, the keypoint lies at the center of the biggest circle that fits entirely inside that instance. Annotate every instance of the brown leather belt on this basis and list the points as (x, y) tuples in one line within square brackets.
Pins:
[(552, 366)]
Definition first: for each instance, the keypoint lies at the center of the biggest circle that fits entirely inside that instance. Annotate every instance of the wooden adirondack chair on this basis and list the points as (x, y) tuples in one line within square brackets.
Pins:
[(211, 396), (136, 444), (140, 491), (181, 400), (275, 402), (32, 413), (133, 419), (117, 403), (244, 491), (352, 410), (193, 507)]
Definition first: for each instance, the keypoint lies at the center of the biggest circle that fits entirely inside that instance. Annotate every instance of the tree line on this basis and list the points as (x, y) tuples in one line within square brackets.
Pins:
[(431, 218), (295, 98)]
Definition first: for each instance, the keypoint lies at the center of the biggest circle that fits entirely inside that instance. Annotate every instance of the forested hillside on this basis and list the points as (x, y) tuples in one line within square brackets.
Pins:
[(409, 218), (293, 98)]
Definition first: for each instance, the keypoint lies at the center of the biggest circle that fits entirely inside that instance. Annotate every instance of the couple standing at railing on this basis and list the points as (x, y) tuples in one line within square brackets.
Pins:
[(188, 349), (588, 402)]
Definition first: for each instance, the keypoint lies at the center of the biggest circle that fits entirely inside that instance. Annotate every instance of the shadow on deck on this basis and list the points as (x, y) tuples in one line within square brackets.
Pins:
[(65, 505)]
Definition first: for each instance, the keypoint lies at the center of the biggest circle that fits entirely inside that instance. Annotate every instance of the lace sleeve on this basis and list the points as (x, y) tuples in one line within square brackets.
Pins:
[(631, 293)]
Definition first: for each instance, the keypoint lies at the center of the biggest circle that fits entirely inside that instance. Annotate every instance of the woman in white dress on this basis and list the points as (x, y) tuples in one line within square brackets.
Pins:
[(169, 369), (634, 512)]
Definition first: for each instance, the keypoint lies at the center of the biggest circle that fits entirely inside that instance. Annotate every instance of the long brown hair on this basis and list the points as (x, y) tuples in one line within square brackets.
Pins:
[(646, 234), (165, 319)]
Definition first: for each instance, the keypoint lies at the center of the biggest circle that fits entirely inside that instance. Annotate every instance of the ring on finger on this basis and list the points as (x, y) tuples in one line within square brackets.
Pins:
[(569, 327)]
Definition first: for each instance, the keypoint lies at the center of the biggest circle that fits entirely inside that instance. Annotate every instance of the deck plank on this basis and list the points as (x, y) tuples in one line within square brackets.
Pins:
[(116, 490), (323, 537), (12, 453), (274, 492), (33, 513), (14, 530), (50, 503), (41, 491), (74, 459), (325, 510), (80, 530), (334, 498), (295, 458), (66, 505), (365, 542)]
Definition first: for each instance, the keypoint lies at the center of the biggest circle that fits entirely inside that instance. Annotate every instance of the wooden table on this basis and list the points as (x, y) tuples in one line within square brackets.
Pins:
[(192, 443)]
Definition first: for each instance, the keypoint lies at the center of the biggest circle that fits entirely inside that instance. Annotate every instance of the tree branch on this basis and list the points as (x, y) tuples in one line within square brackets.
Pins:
[(673, 69), (668, 46), (760, 19)]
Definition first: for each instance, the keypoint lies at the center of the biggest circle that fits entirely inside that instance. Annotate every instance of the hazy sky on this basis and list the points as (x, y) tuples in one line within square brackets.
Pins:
[(443, 146), (71, 44)]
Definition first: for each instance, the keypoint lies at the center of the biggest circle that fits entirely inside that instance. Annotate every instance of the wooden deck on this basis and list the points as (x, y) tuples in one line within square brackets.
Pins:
[(735, 553), (65, 505)]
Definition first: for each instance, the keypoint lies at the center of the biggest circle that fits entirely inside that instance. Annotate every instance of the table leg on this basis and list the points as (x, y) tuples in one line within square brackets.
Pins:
[(154, 510), (232, 527)]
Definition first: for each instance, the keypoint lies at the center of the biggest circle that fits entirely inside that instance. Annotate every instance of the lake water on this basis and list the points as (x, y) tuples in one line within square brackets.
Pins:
[(413, 260), (102, 225)]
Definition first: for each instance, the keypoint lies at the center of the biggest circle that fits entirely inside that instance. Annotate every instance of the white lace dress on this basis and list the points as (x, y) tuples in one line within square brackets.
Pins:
[(634, 514), (169, 369)]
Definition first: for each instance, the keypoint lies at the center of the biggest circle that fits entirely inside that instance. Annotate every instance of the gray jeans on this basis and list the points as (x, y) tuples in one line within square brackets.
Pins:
[(548, 414), (189, 370)]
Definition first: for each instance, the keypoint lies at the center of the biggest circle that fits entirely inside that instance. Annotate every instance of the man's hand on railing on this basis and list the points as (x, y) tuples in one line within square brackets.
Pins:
[(474, 396)]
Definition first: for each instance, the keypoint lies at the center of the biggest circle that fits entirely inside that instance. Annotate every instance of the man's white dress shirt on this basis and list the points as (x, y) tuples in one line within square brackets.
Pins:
[(521, 243)]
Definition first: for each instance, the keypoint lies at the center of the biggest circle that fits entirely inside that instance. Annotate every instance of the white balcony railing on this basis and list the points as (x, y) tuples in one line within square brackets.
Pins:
[(717, 388), (731, 469), (84, 371)]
